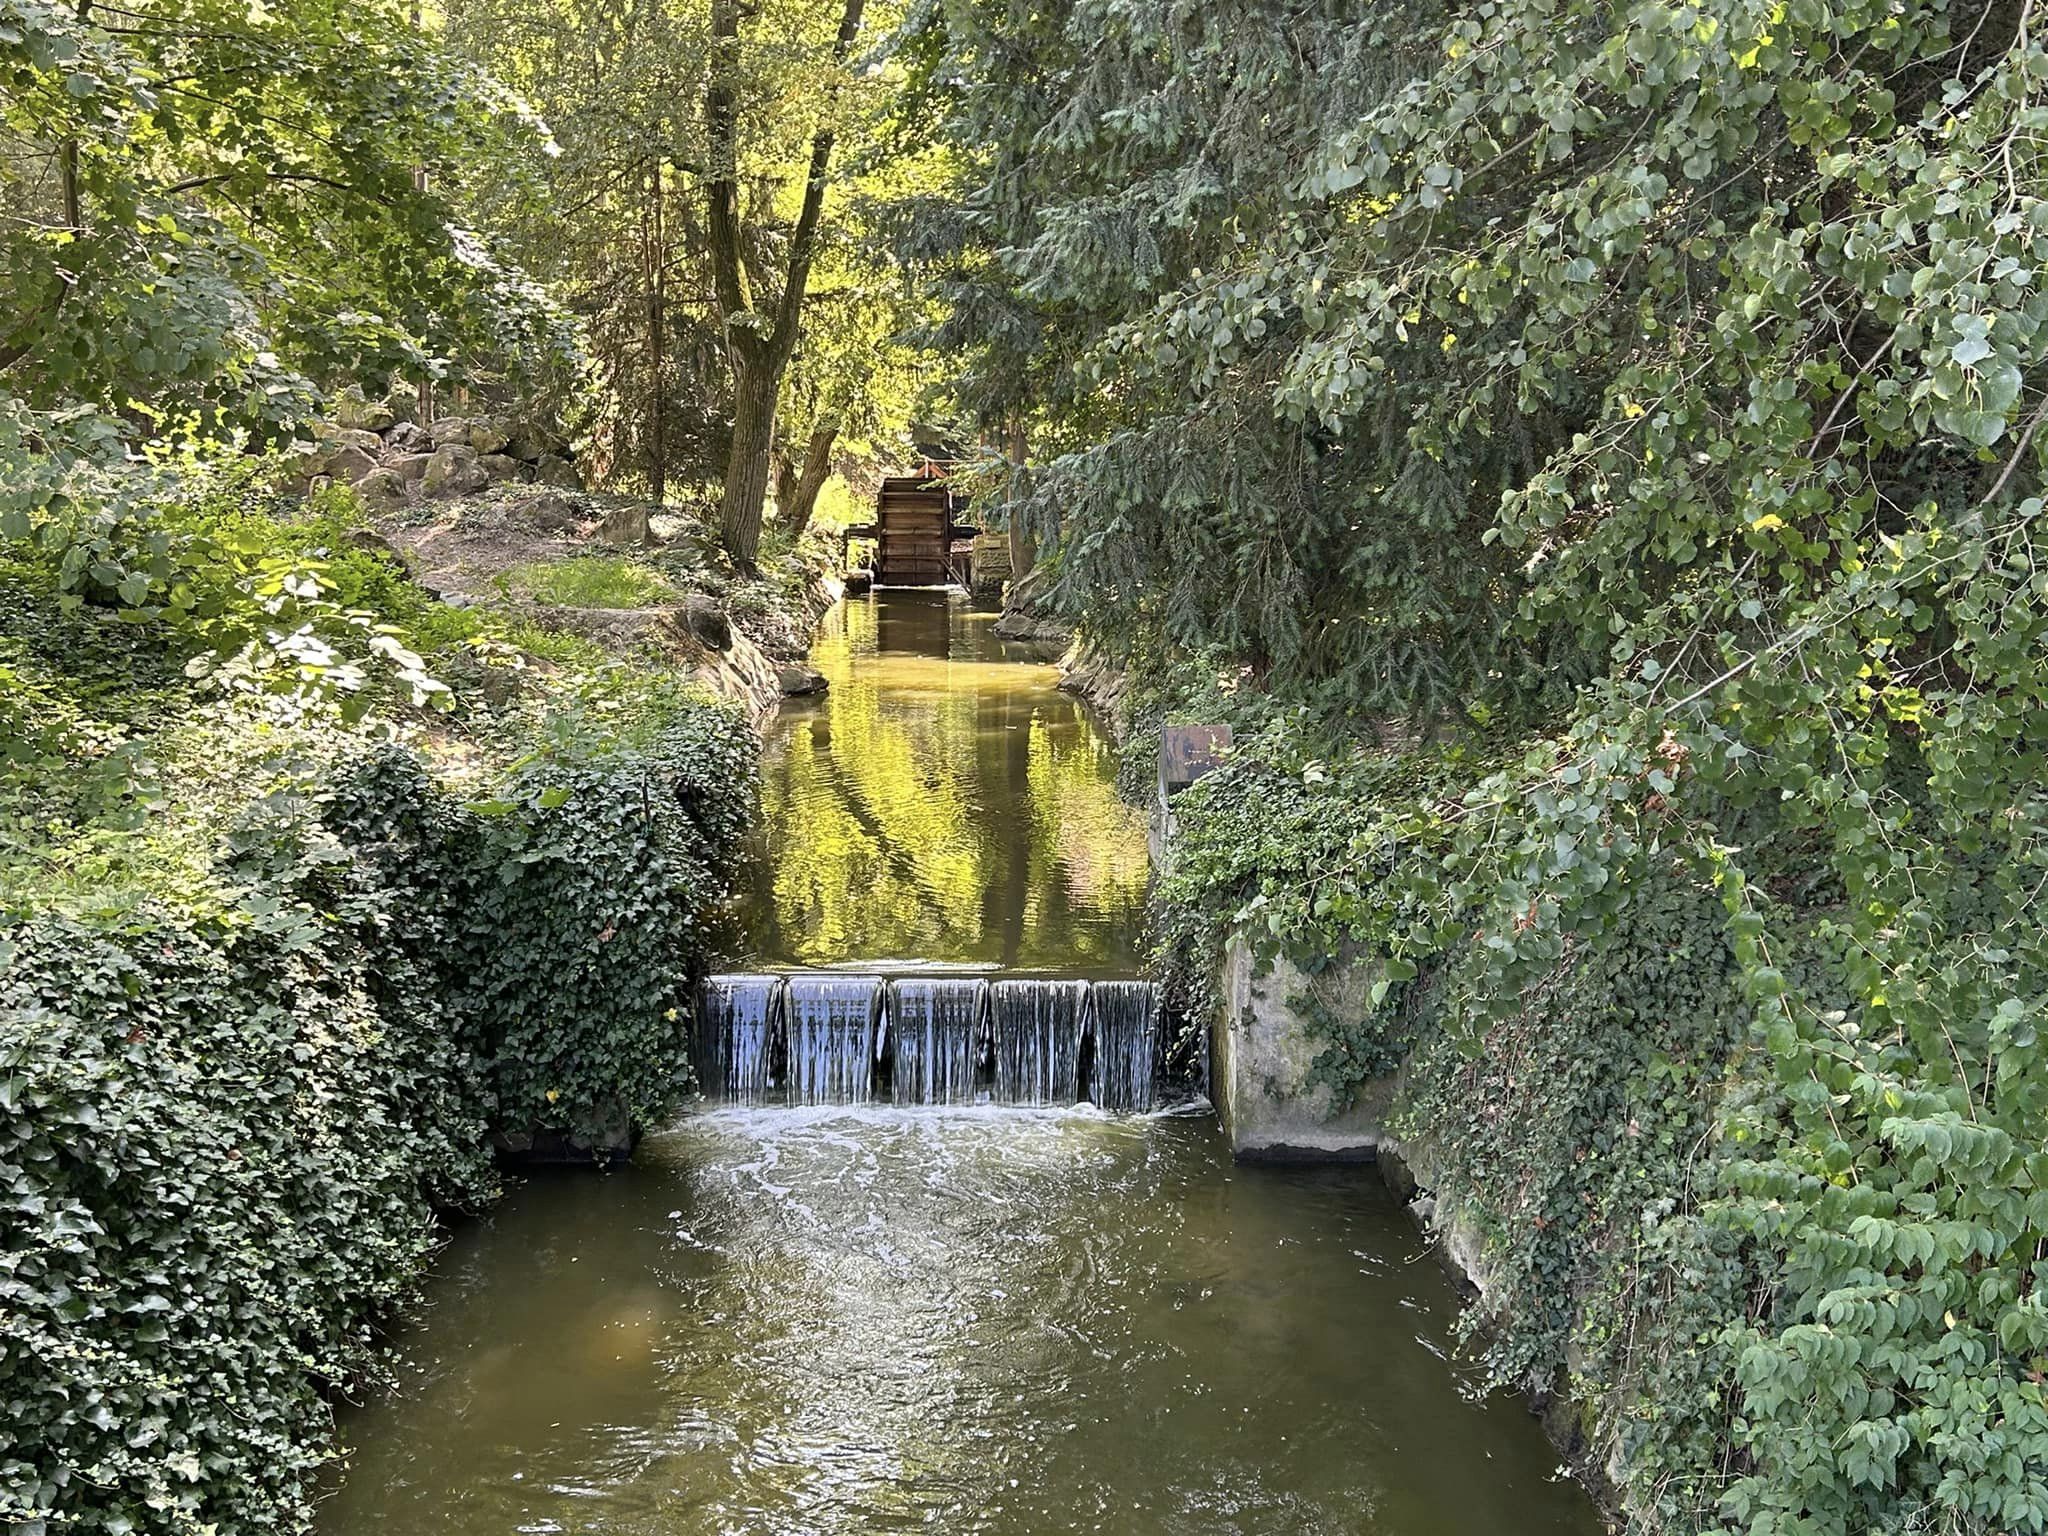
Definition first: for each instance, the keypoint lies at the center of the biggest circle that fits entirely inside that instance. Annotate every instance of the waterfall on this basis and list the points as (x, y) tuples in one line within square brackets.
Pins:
[(1038, 1028), (935, 1032), (738, 1029), (1126, 1029), (826, 1038), (832, 1024)]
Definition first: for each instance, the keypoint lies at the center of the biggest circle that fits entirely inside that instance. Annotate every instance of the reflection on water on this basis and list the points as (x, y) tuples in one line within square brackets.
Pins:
[(999, 1322), (943, 802)]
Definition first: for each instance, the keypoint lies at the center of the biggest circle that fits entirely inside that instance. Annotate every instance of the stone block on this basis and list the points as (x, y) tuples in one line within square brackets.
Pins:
[(451, 470), (503, 469), (1260, 1056), (553, 469), (382, 490)]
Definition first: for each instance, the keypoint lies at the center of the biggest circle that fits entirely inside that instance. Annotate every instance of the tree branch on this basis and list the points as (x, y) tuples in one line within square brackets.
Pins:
[(803, 248)]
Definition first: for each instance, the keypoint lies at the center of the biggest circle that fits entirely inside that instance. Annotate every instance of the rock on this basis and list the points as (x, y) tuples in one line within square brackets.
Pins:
[(547, 511), (382, 490), (487, 435), (1017, 624), (356, 437), (553, 469), (408, 437), (343, 462), (351, 410), (503, 469), (453, 469), (858, 582), (371, 542), (533, 440), (707, 621), (450, 429), (411, 466), (624, 525), (798, 682)]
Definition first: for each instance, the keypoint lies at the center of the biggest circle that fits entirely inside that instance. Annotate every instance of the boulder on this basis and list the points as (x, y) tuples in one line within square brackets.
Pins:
[(353, 411), (408, 437), (487, 435), (532, 440), (548, 512), (1021, 624), (553, 469), (453, 469), (449, 429), (370, 541), (707, 621), (382, 490), (410, 466), (502, 468), (798, 681), (628, 523), (361, 414), (342, 462), (356, 437), (859, 581)]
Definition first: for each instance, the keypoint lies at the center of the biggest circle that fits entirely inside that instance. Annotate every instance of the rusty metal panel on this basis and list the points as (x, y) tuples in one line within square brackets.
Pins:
[(1186, 752)]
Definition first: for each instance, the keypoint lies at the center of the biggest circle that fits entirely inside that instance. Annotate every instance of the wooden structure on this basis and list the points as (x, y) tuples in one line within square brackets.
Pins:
[(919, 541)]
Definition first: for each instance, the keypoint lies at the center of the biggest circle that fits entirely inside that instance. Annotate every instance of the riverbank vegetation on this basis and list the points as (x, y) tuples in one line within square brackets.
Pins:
[(1593, 456)]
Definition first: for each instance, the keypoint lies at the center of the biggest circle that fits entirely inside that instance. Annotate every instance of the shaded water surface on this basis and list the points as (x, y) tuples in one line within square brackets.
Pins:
[(943, 802), (1003, 1322)]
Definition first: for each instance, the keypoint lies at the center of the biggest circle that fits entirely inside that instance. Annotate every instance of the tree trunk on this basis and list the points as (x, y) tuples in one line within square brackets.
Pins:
[(754, 386), (785, 483), (1023, 548), (657, 323), (794, 510), (759, 344)]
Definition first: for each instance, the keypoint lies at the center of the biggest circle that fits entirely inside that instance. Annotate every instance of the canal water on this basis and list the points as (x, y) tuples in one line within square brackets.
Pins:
[(943, 801), (854, 1320)]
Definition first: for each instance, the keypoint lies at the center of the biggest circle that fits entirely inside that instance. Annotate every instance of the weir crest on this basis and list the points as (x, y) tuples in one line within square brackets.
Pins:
[(830, 1038)]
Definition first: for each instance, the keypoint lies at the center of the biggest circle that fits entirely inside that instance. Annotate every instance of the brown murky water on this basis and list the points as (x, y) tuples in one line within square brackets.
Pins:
[(993, 1321)]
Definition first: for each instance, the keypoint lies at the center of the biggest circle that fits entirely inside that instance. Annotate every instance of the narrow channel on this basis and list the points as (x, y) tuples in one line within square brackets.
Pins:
[(1010, 1322)]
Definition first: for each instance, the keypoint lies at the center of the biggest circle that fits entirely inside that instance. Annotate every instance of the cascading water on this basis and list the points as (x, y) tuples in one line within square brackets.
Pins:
[(1126, 1031), (832, 1024), (1038, 1028), (816, 1038), (738, 1030), (935, 1034)]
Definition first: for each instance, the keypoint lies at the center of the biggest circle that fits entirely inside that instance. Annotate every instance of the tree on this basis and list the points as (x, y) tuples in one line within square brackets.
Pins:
[(759, 336), (217, 209), (1659, 389)]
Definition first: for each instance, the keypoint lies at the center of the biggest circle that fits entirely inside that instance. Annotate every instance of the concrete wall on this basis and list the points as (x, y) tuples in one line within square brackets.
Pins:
[(1259, 1059)]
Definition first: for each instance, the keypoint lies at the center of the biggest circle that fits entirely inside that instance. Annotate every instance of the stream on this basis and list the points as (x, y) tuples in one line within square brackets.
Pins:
[(854, 1319)]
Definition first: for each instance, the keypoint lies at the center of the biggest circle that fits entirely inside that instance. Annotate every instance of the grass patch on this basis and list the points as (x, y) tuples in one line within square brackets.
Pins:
[(587, 581)]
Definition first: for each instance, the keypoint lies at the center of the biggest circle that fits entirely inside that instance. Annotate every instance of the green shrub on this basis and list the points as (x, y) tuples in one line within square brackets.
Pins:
[(228, 1127), (1790, 1264), (221, 1155)]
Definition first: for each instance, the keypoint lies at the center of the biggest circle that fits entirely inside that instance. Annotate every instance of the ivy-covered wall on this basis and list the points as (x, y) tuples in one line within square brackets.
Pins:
[(1791, 1282), (227, 1128)]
